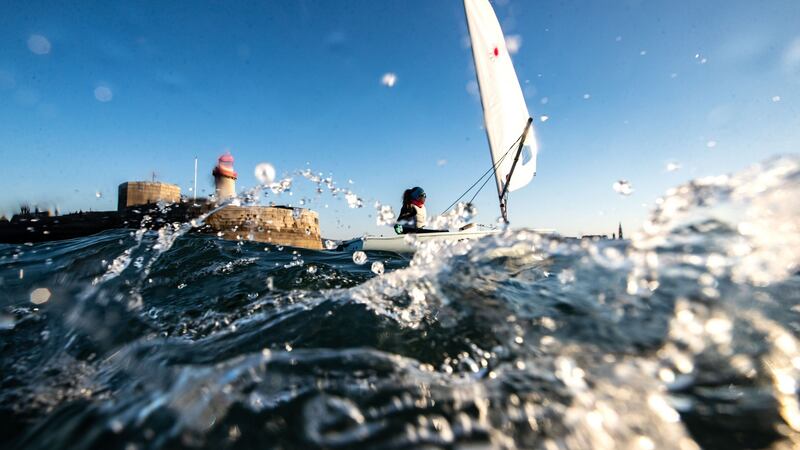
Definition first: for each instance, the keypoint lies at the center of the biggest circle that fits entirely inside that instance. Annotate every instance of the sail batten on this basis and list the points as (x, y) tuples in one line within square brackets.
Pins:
[(504, 110)]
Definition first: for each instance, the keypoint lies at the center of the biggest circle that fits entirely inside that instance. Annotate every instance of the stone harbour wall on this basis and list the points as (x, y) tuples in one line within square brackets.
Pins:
[(296, 227), (136, 193)]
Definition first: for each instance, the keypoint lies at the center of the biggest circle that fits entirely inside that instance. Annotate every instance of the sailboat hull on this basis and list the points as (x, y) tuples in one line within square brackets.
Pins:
[(404, 244)]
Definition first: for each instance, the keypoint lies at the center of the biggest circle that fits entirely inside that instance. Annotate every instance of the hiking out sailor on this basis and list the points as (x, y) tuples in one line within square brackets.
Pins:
[(413, 214)]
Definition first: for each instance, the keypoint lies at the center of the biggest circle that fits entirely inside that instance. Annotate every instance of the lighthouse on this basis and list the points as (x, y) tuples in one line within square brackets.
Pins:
[(224, 177)]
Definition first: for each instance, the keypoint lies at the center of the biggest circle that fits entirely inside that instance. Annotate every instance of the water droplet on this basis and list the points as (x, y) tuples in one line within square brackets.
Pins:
[(98, 194), (587, 96), (776, 98), (7, 322), (265, 173), (711, 144), (270, 283), (311, 269), (330, 245), (389, 79), (39, 44), (40, 296), (544, 100), (359, 257), (566, 276), (544, 118), (353, 200), (513, 43), (673, 166), (623, 187), (296, 213), (643, 52), (116, 425), (645, 443), (385, 215), (377, 268), (103, 94)]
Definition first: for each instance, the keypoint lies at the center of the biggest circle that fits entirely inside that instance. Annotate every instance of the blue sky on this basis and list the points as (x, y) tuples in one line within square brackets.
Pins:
[(94, 94)]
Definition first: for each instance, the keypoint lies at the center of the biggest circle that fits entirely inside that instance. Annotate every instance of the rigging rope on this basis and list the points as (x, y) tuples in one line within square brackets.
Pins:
[(491, 169)]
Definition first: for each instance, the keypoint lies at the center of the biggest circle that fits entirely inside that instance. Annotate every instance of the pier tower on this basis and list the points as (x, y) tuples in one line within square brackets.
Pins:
[(224, 177)]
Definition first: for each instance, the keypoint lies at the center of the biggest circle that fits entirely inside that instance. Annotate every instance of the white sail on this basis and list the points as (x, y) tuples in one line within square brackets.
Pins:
[(504, 111)]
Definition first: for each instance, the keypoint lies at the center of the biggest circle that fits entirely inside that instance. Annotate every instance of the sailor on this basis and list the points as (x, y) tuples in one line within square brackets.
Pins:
[(413, 214)]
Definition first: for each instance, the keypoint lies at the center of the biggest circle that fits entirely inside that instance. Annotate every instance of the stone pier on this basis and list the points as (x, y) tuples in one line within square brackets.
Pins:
[(279, 225)]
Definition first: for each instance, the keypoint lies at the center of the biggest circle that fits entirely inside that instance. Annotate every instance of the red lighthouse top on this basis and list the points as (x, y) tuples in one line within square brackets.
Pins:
[(224, 166)]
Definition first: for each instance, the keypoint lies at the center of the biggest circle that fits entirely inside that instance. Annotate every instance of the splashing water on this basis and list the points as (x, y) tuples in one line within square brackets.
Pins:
[(359, 257), (389, 79), (265, 173), (623, 187), (458, 216), (673, 166), (353, 200), (684, 336), (385, 214)]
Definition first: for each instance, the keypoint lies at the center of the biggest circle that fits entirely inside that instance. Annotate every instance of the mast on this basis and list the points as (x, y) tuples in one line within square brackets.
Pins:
[(503, 196), (194, 189)]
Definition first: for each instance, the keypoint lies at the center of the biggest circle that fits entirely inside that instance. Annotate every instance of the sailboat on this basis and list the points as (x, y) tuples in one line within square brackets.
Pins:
[(509, 127)]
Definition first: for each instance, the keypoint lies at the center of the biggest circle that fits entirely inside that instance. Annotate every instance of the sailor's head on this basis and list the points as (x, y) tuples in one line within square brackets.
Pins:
[(418, 194)]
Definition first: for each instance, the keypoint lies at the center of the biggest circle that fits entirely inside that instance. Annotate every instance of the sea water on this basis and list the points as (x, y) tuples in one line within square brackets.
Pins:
[(685, 336)]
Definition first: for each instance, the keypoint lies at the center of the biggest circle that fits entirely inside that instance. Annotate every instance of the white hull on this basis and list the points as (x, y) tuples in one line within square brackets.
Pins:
[(404, 244)]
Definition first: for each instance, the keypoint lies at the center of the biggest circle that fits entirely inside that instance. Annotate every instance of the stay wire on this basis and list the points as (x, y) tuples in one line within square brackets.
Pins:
[(479, 190), (491, 169)]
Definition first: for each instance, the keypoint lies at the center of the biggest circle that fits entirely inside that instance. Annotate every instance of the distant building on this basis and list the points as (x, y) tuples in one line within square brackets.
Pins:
[(594, 236), (619, 232), (138, 193), (225, 177), (26, 214)]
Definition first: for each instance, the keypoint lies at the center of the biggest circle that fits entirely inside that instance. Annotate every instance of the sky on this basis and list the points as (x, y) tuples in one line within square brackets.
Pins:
[(93, 94)]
